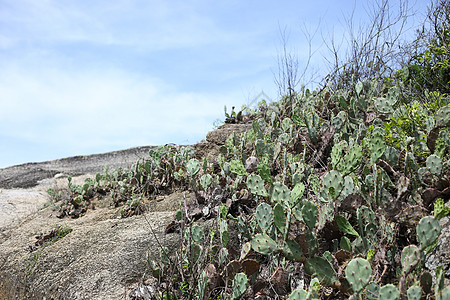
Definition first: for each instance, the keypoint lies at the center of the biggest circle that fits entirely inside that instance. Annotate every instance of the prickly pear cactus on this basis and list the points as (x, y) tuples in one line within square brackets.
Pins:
[(262, 243), (297, 194), (193, 167), (264, 171), (428, 230), (309, 214), (256, 185), (292, 250), (352, 160), (206, 181), (237, 167), (322, 268), (279, 218), (388, 292), (264, 216), (333, 183), (240, 284), (197, 233), (434, 164), (386, 105), (444, 294), (376, 144), (279, 193), (443, 116), (410, 258), (414, 293), (358, 273)]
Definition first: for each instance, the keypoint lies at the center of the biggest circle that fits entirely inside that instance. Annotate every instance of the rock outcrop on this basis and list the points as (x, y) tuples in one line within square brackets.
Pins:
[(103, 255)]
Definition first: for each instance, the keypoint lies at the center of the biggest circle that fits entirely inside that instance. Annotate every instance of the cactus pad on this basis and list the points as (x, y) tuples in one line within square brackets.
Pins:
[(358, 273), (434, 164), (414, 293), (292, 250), (333, 180), (240, 283), (193, 167), (428, 230), (279, 218), (309, 214), (256, 185), (410, 258), (262, 243), (264, 216), (279, 193), (389, 292)]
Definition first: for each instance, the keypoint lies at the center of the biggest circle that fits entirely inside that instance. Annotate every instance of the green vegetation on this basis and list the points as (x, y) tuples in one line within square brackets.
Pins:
[(335, 182)]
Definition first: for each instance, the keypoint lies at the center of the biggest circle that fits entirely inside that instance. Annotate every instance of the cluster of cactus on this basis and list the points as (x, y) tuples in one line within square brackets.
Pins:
[(282, 211)]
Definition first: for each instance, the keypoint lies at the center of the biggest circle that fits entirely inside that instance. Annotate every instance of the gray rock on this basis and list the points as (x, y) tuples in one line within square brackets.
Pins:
[(28, 175), (102, 258), (220, 135)]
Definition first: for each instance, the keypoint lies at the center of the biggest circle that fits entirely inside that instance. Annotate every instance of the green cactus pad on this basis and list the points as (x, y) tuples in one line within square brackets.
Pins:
[(410, 258), (264, 170), (237, 167), (206, 181), (256, 185), (345, 244), (352, 160), (358, 273), (279, 218), (366, 215), (414, 293), (443, 116), (297, 194), (444, 294), (320, 267), (312, 242), (264, 216), (286, 124), (262, 243), (377, 144), (434, 164), (334, 180), (197, 233), (309, 214), (388, 292), (240, 284), (279, 193), (345, 226), (428, 230), (193, 167), (292, 250)]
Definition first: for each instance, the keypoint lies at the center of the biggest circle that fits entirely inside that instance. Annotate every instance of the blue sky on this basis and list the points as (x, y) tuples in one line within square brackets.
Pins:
[(84, 77)]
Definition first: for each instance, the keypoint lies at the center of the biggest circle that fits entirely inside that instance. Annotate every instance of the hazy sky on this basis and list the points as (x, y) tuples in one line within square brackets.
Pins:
[(91, 76)]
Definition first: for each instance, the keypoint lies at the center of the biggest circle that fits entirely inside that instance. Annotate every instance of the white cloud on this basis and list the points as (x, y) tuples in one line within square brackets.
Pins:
[(102, 109), (146, 25)]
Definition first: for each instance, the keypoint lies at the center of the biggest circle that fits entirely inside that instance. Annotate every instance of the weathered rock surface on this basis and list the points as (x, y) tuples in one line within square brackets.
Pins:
[(217, 138), (220, 135), (102, 258), (28, 175)]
